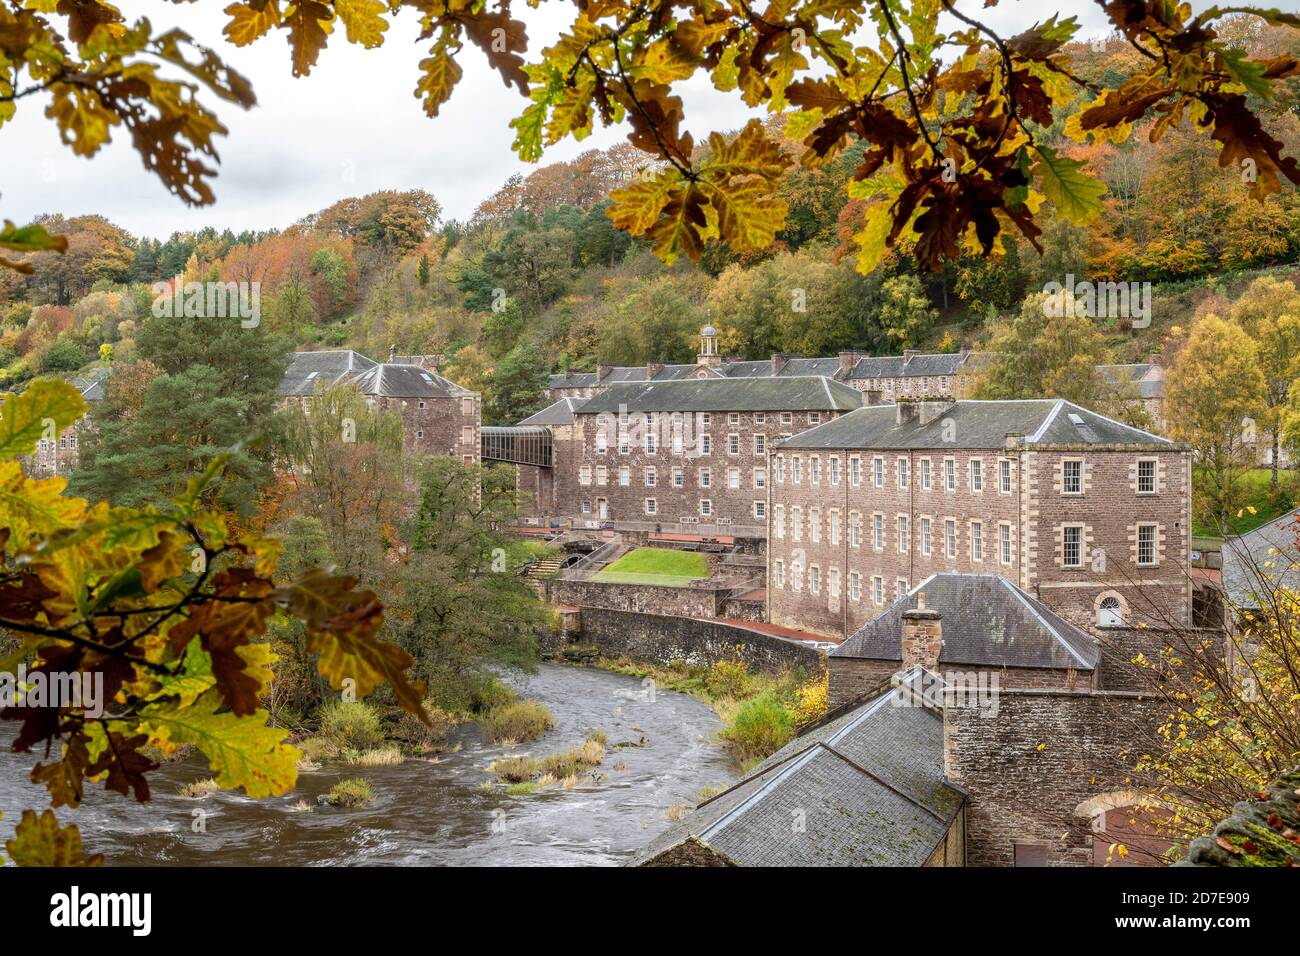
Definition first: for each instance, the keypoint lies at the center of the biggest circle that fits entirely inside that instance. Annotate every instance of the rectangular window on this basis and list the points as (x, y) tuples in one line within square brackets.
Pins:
[(467, 435), (815, 579), (706, 507), (1146, 476), (624, 476), (1072, 477), (949, 475), (815, 418), (760, 509), (651, 506), (834, 466), (1004, 476), (977, 541), (651, 442), (925, 536), (733, 479), (855, 586), (976, 475), (815, 470), (651, 476), (950, 538), (855, 529), (903, 534), (834, 521), (1146, 545), (706, 478), (878, 589), (900, 587), (780, 469), (733, 444), (785, 418), (584, 475), (706, 418), (796, 470), (878, 472), (706, 445), (778, 571), (733, 418), (903, 475), (878, 532), (778, 521), (1004, 543), (815, 526), (760, 418), (796, 523), (760, 478), (760, 444), (679, 478), (855, 471), (925, 474), (1072, 547)]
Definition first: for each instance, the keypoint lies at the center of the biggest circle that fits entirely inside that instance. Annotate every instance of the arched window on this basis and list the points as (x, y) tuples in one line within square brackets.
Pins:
[(1110, 613)]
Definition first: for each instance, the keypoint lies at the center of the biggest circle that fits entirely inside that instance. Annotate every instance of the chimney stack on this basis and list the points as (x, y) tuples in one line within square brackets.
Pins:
[(392, 353), (652, 370), (602, 371), (922, 636), (847, 361), (963, 353), (908, 355), (905, 411), (930, 409), (778, 362)]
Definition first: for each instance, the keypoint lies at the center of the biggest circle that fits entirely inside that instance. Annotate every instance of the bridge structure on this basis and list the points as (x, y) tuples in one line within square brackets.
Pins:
[(517, 444)]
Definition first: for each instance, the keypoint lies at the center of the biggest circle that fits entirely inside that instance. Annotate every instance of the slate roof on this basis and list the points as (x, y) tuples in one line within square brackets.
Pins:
[(987, 622), (1265, 557), (727, 395), (559, 413), (1142, 378), (898, 366), (308, 370), (576, 380), (869, 784), (405, 381), (92, 389), (976, 424)]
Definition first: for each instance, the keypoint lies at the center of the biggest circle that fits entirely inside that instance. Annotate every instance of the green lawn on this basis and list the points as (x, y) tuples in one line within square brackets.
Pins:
[(1257, 494), (656, 566)]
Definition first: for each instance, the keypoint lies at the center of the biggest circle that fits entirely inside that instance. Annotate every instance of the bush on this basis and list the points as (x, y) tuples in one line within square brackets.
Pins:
[(351, 726), (520, 722), (761, 727), (514, 769), (353, 792), (810, 703), (379, 757), (423, 737), (200, 788), (727, 679)]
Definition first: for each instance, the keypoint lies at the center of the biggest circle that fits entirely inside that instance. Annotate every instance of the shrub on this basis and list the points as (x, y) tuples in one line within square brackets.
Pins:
[(351, 726), (199, 788), (352, 792), (514, 769), (810, 703), (761, 727), (520, 722), (420, 736), (569, 763), (379, 757), (727, 679)]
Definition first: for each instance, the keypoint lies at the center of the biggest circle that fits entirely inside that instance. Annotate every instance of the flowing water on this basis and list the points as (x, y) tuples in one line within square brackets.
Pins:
[(427, 811)]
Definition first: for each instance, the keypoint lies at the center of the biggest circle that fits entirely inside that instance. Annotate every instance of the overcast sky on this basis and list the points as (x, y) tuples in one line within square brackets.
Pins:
[(351, 127)]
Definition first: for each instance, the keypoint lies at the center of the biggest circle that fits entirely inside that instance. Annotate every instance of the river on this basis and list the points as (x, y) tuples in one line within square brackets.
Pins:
[(427, 812)]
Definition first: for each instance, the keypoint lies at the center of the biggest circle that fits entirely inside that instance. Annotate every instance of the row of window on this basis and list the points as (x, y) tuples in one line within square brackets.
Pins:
[(65, 441), (676, 477), (795, 582), (1072, 474), (705, 506), (702, 445), (1005, 543)]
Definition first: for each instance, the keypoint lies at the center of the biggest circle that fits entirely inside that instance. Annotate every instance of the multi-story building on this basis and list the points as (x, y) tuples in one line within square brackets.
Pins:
[(912, 374), (60, 454), (1089, 515), (438, 416), (687, 456)]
